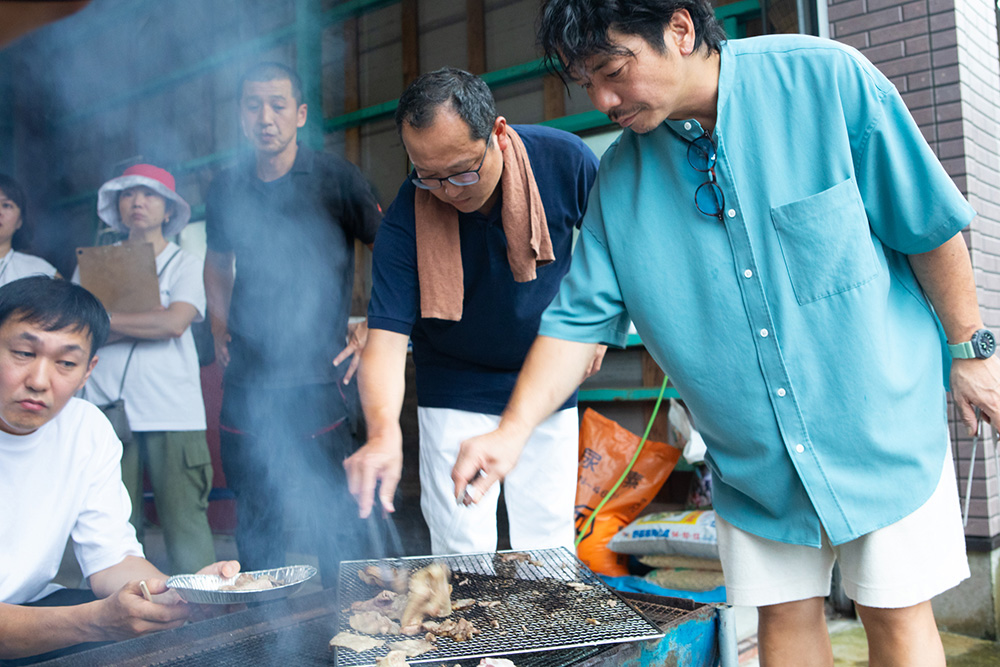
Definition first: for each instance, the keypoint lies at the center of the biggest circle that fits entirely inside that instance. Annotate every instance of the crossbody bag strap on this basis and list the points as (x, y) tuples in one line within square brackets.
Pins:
[(121, 387)]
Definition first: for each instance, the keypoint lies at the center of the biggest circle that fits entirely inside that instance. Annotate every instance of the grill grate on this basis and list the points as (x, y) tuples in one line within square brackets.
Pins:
[(538, 611)]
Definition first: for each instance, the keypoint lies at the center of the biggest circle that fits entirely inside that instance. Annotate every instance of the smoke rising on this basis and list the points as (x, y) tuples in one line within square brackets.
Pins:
[(125, 81)]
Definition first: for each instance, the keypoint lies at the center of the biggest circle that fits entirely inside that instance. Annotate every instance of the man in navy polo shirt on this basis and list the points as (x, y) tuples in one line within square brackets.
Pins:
[(468, 256), (289, 216)]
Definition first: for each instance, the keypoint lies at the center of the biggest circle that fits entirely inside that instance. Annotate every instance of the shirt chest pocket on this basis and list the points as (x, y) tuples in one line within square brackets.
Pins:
[(826, 242)]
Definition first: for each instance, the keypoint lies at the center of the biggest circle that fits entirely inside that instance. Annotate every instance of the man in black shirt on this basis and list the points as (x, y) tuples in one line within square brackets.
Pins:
[(288, 219)]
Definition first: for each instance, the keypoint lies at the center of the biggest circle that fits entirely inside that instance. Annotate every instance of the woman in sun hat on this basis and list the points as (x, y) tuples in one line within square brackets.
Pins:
[(14, 263), (154, 353)]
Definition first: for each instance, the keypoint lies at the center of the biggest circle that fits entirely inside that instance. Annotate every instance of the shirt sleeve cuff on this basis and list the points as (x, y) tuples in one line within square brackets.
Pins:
[(604, 335), (389, 324)]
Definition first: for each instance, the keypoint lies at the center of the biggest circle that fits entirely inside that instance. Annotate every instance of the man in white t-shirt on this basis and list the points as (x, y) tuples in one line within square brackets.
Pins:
[(60, 479)]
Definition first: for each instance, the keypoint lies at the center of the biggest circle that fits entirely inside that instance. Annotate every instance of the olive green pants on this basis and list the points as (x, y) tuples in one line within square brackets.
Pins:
[(180, 471)]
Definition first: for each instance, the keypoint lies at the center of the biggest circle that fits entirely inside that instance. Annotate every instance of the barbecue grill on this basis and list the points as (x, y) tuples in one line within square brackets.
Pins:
[(538, 610), (296, 631)]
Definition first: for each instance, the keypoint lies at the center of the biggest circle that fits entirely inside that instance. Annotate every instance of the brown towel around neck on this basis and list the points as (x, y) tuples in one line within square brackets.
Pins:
[(439, 250)]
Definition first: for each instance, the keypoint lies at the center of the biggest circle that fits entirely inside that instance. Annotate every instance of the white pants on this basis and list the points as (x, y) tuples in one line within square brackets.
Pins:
[(540, 492), (900, 565)]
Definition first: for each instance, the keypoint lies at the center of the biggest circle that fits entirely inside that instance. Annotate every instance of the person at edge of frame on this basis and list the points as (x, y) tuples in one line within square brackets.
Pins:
[(59, 470), (790, 251)]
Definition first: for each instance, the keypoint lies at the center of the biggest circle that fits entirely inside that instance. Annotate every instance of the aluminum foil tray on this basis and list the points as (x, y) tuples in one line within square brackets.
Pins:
[(536, 610), (204, 588)]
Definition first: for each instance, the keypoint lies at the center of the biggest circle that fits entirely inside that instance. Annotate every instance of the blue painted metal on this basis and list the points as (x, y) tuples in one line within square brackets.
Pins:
[(691, 642), (729, 654)]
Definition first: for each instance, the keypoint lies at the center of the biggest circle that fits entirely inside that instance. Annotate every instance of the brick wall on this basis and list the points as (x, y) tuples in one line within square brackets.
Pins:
[(943, 57), (979, 86)]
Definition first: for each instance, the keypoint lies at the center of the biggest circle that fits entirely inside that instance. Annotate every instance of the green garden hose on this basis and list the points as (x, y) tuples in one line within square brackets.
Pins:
[(635, 457)]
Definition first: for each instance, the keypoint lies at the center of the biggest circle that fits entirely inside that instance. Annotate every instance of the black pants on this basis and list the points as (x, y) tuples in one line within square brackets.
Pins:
[(282, 453), (66, 597)]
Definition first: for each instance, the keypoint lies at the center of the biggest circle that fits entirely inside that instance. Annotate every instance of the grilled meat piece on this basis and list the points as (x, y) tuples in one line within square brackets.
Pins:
[(430, 595), (247, 582), (412, 647), (387, 603), (464, 603), (458, 630), (355, 642), (385, 576), (373, 623), (515, 556)]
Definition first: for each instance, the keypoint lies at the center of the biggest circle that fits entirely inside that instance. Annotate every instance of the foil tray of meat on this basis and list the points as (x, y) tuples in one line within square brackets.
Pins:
[(255, 586)]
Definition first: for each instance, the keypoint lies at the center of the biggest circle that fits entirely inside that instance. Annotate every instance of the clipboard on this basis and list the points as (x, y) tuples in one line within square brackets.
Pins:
[(121, 276)]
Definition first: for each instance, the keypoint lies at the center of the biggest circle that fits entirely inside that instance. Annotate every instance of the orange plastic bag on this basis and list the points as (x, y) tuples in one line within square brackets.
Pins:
[(605, 451)]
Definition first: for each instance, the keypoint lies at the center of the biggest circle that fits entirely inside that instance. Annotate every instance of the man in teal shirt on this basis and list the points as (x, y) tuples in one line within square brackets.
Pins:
[(781, 235)]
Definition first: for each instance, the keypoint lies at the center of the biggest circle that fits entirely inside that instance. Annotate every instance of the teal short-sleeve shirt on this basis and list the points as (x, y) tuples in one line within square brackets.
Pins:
[(793, 328)]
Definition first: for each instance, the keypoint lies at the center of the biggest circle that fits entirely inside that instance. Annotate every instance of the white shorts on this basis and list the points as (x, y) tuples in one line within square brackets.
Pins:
[(900, 565), (540, 492)]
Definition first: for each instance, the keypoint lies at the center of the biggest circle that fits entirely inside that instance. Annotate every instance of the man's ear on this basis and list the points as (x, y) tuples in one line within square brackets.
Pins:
[(301, 114), (500, 130), (90, 369), (680, 31)]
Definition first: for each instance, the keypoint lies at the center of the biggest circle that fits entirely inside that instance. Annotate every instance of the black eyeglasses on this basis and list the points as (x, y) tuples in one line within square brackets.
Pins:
[(708, 197), (462, 178)]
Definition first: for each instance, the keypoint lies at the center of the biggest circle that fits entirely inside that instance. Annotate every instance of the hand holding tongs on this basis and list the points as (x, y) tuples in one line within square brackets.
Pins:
[(380, 521)]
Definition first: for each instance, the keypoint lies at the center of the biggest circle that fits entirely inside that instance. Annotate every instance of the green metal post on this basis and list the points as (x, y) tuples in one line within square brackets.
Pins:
[(732, 27), (309, 64)]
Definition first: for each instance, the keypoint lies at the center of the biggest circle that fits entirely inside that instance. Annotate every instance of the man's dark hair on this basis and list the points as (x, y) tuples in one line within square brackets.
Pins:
[(466, 93), (570, 31), (55, 304), (14, 192), (271, 71)]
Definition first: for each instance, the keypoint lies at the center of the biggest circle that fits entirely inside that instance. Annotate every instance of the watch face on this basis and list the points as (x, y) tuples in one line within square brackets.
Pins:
[(984, 344)]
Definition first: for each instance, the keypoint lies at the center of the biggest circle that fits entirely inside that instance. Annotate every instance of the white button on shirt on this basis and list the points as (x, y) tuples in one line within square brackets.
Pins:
[(748, 274), (731, 213), (687, 126), (781, 392), (763, 333), (800, 448)]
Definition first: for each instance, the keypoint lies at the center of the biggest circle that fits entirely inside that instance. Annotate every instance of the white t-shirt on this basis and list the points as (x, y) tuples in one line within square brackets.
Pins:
[(163, 381), (16, 265), (64, 480)]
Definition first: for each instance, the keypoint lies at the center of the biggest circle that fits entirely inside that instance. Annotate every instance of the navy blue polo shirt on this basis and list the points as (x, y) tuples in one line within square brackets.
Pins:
[(472, 364), (293, 239)]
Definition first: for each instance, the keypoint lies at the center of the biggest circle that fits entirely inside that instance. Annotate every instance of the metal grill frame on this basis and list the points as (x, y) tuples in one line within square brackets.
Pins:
[(540, 612), (295, 631)]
